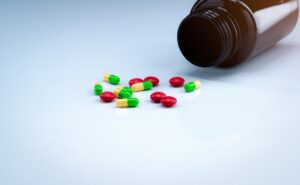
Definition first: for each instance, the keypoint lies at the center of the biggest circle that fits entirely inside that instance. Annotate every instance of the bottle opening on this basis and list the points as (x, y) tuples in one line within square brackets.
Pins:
[(207, 38)]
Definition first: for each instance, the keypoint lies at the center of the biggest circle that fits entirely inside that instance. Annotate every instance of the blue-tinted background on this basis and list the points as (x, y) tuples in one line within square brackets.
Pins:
[(241, 128)]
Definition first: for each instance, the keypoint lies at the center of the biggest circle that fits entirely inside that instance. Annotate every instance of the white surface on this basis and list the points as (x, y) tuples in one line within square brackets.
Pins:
[(241, 128)]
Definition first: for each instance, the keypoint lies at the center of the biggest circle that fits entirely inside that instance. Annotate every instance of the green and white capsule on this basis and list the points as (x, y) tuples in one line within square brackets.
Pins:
[(127, 103), (143, 86), (192, 86), (113, 79), (98, 89), (123, 92)]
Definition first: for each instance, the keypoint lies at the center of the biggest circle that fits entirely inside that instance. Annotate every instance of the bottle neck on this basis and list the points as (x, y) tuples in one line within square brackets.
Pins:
[(208, 37)]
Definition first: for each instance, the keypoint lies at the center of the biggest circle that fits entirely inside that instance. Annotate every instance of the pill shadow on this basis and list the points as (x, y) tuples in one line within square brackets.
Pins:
[(273, 56)]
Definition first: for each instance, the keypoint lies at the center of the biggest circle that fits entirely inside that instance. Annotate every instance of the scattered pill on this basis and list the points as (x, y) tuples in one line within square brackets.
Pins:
[(98, 89), (113, 79), (153, 79), (192, 86), (168, 101), (130, 102), (135, 81), (157, 96), (107, 96), (123, 92), (177, 81), (143, 86)]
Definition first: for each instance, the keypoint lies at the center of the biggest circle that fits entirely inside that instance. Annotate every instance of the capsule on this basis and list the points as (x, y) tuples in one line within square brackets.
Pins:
[(113, 79), (143, 86), (123, 92), (192, 86), (98, 89), (130, 102)]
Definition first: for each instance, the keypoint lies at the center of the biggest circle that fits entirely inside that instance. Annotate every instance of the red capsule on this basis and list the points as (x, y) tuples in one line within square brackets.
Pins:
[(135, 81), (177, 81), (157, 96), (107, 96), (168, 101), (153, 79)]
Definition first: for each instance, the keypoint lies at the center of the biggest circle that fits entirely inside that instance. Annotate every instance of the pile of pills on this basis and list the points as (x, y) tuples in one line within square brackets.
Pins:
[(124, 94)]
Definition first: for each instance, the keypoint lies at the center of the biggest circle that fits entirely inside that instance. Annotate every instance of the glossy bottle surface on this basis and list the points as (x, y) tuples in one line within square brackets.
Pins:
[(226, 32)]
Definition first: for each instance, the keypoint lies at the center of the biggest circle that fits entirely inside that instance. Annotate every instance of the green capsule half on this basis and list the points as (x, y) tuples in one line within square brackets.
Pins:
[(98, 89), (148, 85)]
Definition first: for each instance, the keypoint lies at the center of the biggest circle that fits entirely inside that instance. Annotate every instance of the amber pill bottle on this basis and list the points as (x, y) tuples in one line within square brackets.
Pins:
[(228, 32)]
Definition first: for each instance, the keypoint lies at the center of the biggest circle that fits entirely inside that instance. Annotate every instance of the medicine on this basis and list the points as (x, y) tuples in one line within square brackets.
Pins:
[(157, 96), (168, 101), (177, 81), (143, 86), (107, 96), (123, 92), (98, 89), (135, 81), (153, 79), (192, 86), (113, 79), (130, 102)]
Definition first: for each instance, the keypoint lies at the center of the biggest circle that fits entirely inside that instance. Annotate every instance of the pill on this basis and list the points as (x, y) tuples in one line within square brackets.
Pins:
[(130, 102), (143, 86), (157, 96), (177, 81), (107, 96), (191, 86), (113, 79), (98, 89), (123, 92), (153, 79), (135, 81), (168, 101)]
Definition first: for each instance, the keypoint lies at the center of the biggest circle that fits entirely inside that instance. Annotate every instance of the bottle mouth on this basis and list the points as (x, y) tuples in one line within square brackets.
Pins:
[(208, 37)]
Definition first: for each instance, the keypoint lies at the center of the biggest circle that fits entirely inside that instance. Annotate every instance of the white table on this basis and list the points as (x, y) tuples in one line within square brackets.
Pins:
[(241, 128)]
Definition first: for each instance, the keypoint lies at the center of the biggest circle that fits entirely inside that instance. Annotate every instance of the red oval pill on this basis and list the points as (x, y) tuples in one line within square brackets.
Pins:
[(107, 96), (153, 79), (157, 96), (177, 81), (135, 81), (168, 101)]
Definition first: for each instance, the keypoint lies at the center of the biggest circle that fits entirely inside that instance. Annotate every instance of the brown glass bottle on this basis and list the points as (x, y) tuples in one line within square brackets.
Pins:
[(227, 32)]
